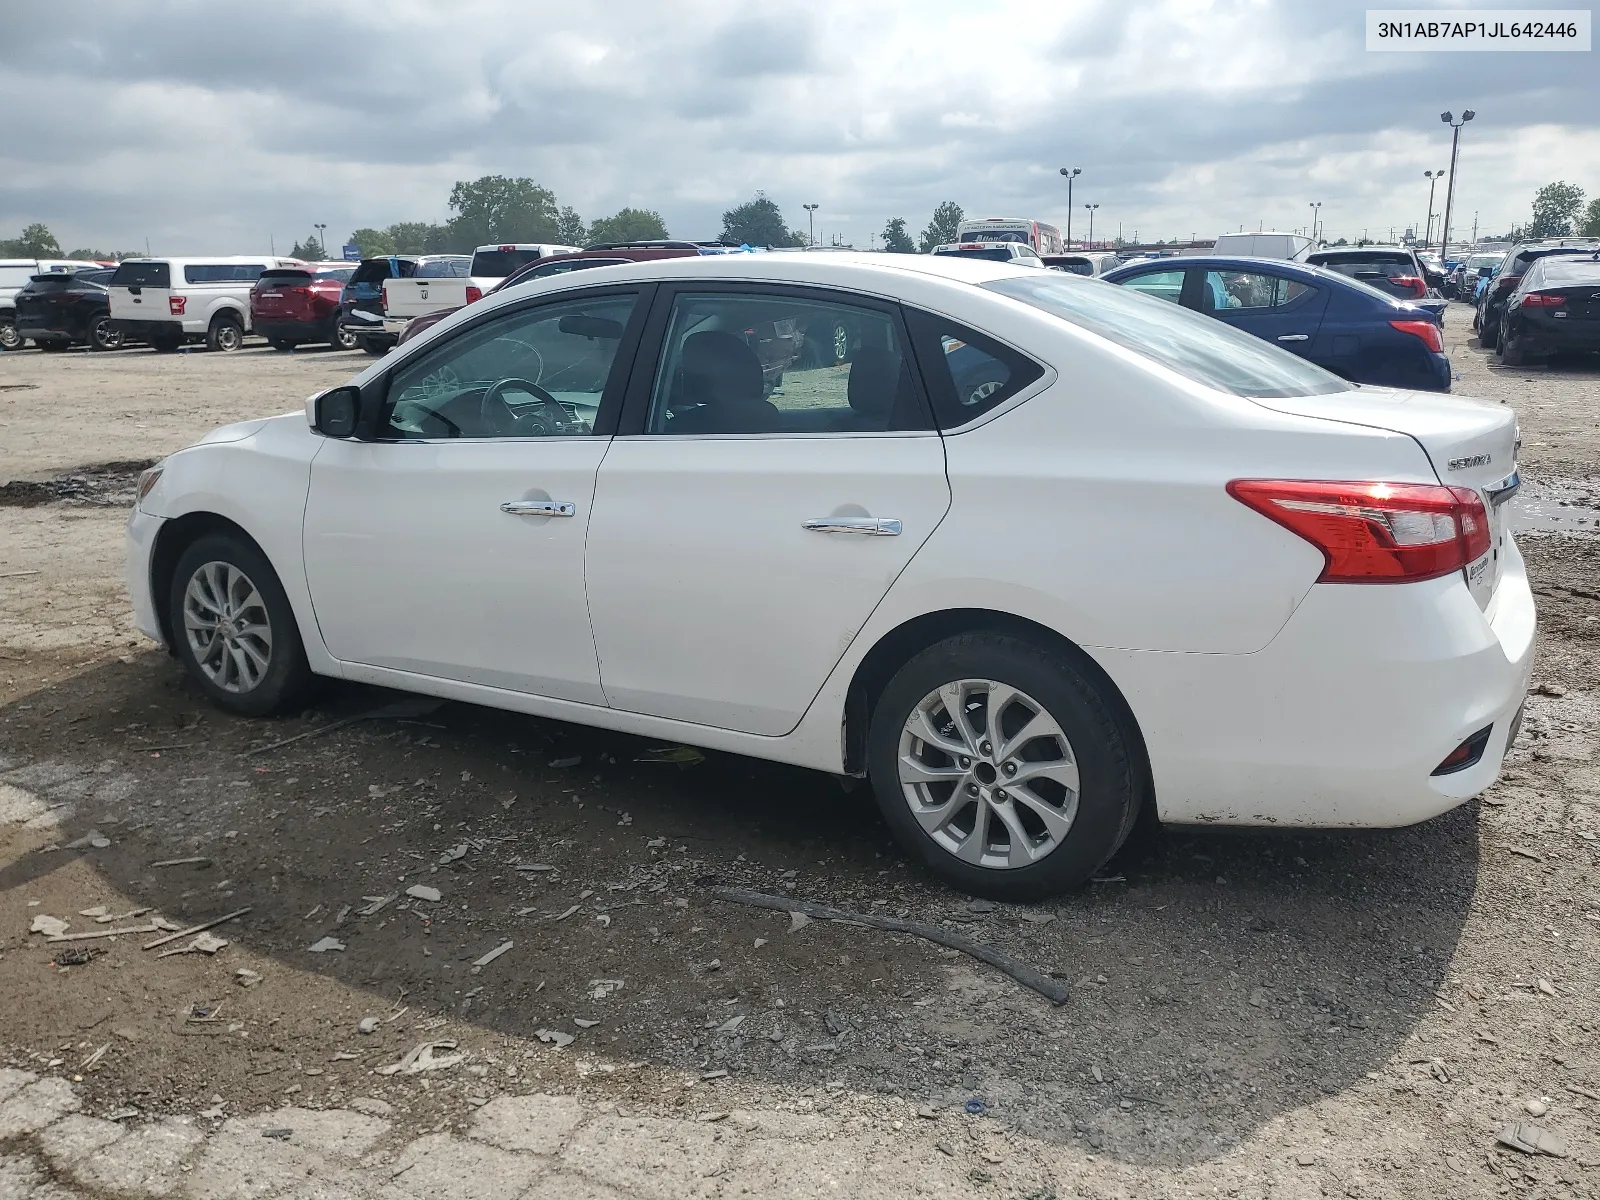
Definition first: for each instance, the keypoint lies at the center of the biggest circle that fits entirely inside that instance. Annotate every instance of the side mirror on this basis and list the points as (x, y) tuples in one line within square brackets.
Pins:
[(334, 413)]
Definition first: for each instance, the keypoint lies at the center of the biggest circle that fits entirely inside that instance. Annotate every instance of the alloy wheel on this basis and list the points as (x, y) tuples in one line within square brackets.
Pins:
[(989, 774), (10, 339), (226, 624)]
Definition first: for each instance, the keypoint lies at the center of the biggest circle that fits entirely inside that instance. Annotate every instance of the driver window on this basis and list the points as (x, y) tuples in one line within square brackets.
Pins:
[(537, 372)]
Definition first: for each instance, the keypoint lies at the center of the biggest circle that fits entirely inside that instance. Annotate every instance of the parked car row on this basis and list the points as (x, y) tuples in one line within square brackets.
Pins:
[(1509, 273)]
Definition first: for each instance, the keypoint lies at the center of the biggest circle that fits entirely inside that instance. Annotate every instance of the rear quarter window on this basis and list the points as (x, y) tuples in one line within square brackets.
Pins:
[(142, 274), (223, 272), (967, 374)]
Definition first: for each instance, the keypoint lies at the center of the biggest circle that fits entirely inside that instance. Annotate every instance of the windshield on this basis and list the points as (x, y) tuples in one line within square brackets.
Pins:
[(1197, 347), (998, 254), (497, 264)]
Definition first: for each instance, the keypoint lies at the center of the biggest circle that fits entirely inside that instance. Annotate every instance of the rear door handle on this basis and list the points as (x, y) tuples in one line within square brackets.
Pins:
[(1294, 337), (539, 508), (871, 526)]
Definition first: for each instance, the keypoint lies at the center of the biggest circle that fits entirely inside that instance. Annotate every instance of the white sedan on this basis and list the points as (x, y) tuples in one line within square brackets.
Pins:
[(1040, 553)]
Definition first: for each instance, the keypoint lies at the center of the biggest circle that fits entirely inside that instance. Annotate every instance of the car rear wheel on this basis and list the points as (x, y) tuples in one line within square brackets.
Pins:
[(10, 339), (105, 335), (999, 766), (343, 339), (376, 347), (1511, 349), (233, 628), (225, 334)]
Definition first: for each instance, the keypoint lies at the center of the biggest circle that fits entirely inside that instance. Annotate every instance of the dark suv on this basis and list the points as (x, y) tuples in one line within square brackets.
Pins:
[(1391, 269), (1504, 281), (68, 308)]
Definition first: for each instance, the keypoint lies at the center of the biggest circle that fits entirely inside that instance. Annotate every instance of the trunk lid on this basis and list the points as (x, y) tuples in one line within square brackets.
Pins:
[(1469, 443), (140, 291)]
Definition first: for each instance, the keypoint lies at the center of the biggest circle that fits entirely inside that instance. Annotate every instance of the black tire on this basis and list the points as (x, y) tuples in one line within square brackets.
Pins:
[(287, 676), (105, 335), (343, 338), (225, 334), (377, 347), (1513, 352), (10, 339), (1108, 800)]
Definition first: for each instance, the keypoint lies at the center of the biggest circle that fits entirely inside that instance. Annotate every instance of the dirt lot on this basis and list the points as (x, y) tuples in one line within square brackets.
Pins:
[(1251, 1013)]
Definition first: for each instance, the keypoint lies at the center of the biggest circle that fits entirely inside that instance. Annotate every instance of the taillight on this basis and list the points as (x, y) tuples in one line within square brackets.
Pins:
[(1426, 330), (175, 304), (474, 292), (1418, 288), (1375, 532), (1542, 300), (383, 300)]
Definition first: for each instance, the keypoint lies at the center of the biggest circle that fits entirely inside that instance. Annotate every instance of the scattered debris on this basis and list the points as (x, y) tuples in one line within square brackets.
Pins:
[(1532, 1139), (368, 1025), (413, 707), (421, 891), (49, 926), (604, 919), (599, 989), (1034, 917), (422, 1058), (95, 1056), (200, 928), (563, 763), (1545, 987), (1547, 689), (656, 843), (1526, 853), (928, 1112), (493, 954), (563, 916), (976, 1106), (1305, 1159), (1053, 990), (982, 907), (205, 943), (683, 756), (245, 977), (581, 1023), (374, 903), (278, 1135), (1537, 1108), (731, 1024), (76, 956), (122, 1114), (152, 927), (717, 1074), (200, 861), (454, 854), (1583, 1091), (323, 945), (760, 942), (797, 921), (534, 867), (555, 1037), (94, 838)]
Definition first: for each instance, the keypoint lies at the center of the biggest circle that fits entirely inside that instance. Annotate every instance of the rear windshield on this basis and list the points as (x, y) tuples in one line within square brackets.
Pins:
[(284, 277), (223, 272), (443, 268), (1362, 268), (497, 264), (333, 274), (1198, 347), (563, 266), (142, 274), (998, 254), (1569, 270), (1076, 266)]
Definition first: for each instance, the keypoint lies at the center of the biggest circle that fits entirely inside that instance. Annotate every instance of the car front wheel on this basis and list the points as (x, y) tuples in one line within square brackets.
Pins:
[(1000, 766), (10, 339), (105, 335), (233, 628), (225, 334)]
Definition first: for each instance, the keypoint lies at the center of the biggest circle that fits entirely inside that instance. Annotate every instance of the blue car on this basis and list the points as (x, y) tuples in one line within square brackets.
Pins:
[(1339, 323)]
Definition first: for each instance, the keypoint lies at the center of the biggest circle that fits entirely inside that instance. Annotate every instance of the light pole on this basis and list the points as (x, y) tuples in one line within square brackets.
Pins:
[(1091, 208), (1433, 181), (322, 237), (1071, 174), (1450, 190), (811, 215), (1316, 212)]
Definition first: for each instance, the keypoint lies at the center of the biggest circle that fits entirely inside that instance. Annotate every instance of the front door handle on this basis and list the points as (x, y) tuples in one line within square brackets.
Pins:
[(1294, 337), (871, 526), (539, 508)]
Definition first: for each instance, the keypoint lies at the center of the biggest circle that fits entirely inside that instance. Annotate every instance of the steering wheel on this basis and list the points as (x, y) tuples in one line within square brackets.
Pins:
[(497, 414)]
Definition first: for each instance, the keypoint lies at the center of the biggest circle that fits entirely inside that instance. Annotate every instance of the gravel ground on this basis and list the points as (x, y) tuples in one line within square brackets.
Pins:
[(1250, 1013)]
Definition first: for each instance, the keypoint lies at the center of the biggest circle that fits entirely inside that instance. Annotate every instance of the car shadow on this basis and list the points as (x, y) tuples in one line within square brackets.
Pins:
[(1218, 979)]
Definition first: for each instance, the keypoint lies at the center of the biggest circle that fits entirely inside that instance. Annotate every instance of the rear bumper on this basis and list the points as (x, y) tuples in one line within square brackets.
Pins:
[(295, 330), (1544, 333), (46, 331), (1341, 720)]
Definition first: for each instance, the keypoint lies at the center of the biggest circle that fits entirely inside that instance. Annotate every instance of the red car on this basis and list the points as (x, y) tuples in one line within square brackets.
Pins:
[(290, 305), (603, 255)]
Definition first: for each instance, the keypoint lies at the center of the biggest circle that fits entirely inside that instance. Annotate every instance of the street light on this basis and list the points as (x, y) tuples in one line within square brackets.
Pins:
[(1091, 208), (1071, 174), (1450, 191), (1316, 212), (811, 215), (322, 237), (1433, 181)]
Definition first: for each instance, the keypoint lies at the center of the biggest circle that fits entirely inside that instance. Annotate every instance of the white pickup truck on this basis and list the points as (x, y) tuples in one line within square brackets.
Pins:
[(454, 281)]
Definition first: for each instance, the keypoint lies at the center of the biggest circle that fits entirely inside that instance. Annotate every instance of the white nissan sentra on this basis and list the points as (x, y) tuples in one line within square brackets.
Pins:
[(1029, 551)]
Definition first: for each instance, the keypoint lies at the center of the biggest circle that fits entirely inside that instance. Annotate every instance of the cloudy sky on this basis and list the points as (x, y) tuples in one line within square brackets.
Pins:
[(212, 128)]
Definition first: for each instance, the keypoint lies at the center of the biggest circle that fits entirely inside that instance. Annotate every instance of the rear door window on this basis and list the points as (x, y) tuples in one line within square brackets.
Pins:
[(1249, 289), (142, 274)]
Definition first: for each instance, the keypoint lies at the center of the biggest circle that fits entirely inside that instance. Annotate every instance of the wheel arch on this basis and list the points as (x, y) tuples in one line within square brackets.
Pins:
[(900, 644), (172, 539)]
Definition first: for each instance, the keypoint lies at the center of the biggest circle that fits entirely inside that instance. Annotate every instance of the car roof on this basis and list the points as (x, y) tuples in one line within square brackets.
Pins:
[(216, 258)]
